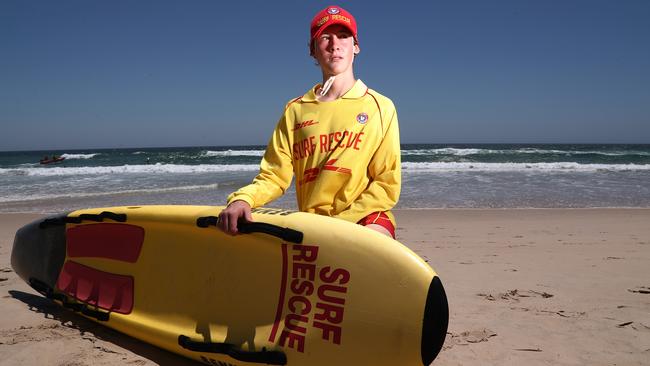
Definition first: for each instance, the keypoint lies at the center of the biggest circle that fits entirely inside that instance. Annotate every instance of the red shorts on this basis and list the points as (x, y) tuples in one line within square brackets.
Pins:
[(381, 219)]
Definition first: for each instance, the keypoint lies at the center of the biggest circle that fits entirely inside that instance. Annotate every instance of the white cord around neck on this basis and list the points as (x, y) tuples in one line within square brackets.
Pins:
[(326, 86)]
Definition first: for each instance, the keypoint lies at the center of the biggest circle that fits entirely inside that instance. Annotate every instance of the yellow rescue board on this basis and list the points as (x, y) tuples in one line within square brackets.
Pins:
[(299, 289)]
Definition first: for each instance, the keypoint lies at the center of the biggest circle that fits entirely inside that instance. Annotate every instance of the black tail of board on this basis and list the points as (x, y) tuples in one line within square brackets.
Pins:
[(436, 320), (38, 252)]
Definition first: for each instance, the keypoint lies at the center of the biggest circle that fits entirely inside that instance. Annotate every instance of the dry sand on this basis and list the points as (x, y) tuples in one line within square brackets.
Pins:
[(525, 287)]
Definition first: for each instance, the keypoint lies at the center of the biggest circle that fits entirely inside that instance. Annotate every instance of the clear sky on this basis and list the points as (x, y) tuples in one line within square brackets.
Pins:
[(116, 73)]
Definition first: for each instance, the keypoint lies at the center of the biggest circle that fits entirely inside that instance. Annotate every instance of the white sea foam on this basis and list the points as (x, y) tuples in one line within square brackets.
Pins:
[(130, 169), (579, 152), (79, 156), (38, 197), (520, 167), (406, 166), (234, 153), (445, 151), (470, 151)]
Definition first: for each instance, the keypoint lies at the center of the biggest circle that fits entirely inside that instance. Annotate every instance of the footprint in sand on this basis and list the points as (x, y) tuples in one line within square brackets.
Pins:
[(35, 334), (515, 295), (640, 290), (562, 313), (468, 337), (634, 325), (5, 270)]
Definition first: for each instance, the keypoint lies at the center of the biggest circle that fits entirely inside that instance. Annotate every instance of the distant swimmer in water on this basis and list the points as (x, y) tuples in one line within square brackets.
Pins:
[(55, 159)]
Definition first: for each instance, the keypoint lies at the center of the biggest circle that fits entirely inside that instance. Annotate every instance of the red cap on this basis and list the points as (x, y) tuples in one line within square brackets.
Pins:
[(329, 16)]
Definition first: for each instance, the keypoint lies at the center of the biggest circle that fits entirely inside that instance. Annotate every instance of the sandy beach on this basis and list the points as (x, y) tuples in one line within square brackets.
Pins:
[(525, 287)]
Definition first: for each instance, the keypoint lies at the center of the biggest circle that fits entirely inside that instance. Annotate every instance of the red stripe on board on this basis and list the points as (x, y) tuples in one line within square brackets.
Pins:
[(121, 242), (283, 287), (109, 291)]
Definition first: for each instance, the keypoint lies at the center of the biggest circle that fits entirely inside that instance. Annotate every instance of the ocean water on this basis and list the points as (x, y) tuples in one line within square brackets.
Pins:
[(434, 176)]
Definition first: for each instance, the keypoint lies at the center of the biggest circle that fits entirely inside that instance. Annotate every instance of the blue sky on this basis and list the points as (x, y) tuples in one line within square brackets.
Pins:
[(93, 74)]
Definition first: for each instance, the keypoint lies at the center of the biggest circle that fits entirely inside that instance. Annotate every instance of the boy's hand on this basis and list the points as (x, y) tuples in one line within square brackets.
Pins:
[(229, 217)]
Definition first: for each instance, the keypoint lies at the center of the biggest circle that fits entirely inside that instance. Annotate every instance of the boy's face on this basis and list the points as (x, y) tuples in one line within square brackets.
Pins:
[(334, 49)]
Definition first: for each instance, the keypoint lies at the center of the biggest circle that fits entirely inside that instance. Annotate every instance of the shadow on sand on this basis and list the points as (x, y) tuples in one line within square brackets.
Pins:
[(68, 319)]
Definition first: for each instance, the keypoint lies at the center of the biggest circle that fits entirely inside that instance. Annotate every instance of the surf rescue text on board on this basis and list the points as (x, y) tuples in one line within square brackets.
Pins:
[(326, 314)]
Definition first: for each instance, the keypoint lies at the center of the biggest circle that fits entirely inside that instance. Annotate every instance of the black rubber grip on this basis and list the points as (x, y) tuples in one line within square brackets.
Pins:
[(207, 221), (284, 233), (264, 356), (83, 217), (99, 315)]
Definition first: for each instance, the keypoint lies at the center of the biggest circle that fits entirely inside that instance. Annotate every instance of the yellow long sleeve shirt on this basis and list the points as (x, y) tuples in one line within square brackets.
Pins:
[(344, 153)]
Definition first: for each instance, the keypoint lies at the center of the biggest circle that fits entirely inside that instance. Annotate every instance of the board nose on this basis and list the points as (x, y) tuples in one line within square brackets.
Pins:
[(436, 320), (39, 251)]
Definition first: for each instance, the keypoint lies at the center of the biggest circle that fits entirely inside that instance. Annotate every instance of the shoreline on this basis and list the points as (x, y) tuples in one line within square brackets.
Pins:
[(396, 210), (540, 286)]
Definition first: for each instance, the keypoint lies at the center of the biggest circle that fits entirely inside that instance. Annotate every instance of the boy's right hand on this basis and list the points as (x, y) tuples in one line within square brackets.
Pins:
[(230, 216)]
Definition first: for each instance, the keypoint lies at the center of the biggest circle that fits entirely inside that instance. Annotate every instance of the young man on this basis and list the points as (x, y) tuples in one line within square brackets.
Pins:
[(340, 139)]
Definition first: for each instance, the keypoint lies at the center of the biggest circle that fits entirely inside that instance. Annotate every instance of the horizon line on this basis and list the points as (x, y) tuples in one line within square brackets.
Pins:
[(263, 145)]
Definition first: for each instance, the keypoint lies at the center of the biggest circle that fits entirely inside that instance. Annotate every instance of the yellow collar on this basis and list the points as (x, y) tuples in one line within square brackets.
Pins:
[(358, 90)]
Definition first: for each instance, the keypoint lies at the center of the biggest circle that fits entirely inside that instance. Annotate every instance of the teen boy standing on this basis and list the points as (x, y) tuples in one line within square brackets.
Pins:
[(340, 139)]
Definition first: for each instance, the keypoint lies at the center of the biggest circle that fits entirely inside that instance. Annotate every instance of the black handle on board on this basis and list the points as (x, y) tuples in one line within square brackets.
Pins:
[(78, 219), (264, 356), (284, 233)]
